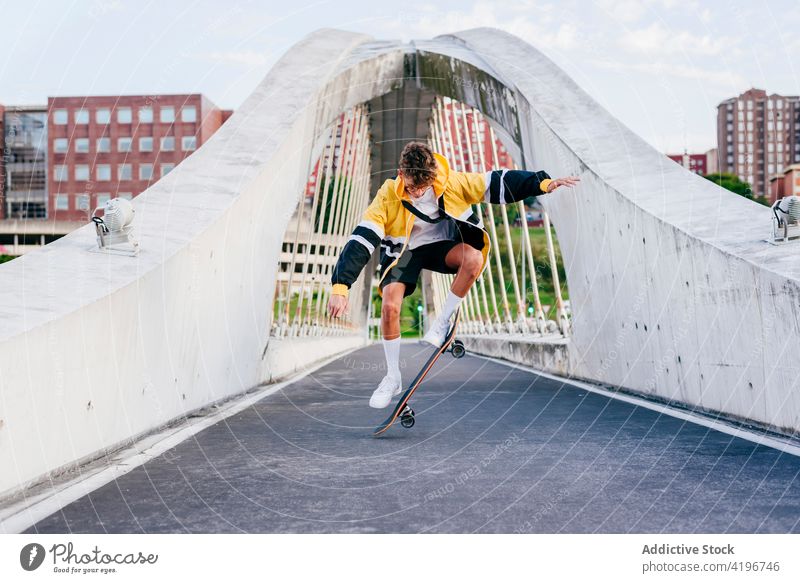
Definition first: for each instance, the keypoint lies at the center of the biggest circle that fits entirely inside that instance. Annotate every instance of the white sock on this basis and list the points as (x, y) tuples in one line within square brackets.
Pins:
[(450, 304), (391, 349)]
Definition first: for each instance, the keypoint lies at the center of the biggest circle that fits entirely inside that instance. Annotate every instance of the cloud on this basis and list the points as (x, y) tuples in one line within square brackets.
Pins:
[(661, 69), (656, 38), (246, 58), (623, 10), (427, 21)]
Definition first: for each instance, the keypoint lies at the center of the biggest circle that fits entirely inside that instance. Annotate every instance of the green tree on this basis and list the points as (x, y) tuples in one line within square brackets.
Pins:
[(735, 184)]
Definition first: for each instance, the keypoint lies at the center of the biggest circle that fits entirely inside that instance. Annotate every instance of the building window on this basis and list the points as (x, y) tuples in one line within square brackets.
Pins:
[(166, 169), (82, 145), (146, 144), (61, 173), (82, 172), (779, 105), (62, 202), (741, 158), (741, 137), (103, 144), (124, 115), (189, 114), (60, 117), (741, 126), (771, 168), (749, 126), (167, 114), (146, 114), (124, 171), (104, 172), (125, 195), (82, 202), (81, 116), (749, 116), (749, 104), (60, 145), (103, 198), (145, 171), (124, 144), (167, 144), (188, 143), (102, 115)]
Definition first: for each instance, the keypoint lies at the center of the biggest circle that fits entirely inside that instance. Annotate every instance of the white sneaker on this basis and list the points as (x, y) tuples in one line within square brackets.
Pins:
[(388, 388), (437, 332)]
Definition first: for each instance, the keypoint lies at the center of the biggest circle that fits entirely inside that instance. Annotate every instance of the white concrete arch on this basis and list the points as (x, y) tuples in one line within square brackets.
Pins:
[(96, 350)]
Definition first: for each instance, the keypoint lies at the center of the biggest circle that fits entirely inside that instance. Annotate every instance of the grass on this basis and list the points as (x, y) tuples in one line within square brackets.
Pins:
[(544, 274)]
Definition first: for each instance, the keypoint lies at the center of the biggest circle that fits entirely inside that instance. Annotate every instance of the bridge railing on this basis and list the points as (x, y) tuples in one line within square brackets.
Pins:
[(506, 298), (317, 234)]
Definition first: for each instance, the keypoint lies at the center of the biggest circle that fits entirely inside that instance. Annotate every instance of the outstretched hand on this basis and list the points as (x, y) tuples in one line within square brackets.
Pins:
[(568, 181), (337, 305)]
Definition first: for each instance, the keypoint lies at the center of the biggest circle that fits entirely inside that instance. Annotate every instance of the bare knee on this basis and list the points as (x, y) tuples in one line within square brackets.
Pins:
[(472, 264), (390, 308)]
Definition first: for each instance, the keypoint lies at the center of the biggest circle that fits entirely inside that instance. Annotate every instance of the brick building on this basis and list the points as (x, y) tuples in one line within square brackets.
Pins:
[(104, 147), (786, 183), (696, 163), (758, 135)]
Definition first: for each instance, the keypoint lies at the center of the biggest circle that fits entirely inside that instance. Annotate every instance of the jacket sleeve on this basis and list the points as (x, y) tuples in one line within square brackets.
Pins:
[(502, 186), (361, 244)]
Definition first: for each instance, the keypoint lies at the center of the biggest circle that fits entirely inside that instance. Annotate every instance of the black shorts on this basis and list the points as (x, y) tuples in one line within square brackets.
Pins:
[(413, 261)]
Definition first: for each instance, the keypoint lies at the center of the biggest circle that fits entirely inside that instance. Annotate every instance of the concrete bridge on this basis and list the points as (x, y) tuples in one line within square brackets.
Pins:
[(138, 393)]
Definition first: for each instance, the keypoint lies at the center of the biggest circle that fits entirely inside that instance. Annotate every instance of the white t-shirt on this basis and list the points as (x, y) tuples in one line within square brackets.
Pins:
[(423, 233)]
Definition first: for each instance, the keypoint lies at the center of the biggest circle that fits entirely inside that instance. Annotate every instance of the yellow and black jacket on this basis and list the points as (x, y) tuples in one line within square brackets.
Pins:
[(387, 221)]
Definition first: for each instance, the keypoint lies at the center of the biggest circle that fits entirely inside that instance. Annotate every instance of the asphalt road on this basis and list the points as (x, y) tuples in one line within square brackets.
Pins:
[(494, 449)]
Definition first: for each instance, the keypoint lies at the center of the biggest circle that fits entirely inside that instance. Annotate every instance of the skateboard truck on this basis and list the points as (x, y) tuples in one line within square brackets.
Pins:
[(407, 417), (457, 349)]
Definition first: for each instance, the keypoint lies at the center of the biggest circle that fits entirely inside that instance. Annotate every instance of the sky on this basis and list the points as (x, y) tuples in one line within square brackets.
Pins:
[(659, 66)]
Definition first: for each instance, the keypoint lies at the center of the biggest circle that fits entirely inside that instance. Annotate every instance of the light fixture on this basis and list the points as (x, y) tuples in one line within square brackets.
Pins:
[(115, 227), (786, 219)]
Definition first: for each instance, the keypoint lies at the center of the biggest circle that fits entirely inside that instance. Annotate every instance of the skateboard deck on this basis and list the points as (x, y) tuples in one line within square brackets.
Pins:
[(402, 409)]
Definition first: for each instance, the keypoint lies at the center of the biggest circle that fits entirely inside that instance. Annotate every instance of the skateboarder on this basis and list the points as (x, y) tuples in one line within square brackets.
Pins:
[(423, 219)]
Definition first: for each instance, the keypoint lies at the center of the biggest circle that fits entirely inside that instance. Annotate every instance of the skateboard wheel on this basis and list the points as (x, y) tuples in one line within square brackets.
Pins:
[(458, 349), (407, 421)]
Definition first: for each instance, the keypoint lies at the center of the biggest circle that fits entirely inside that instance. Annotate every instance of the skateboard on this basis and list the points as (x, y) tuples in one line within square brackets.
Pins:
[(402, 409)]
